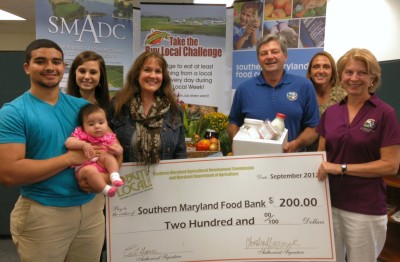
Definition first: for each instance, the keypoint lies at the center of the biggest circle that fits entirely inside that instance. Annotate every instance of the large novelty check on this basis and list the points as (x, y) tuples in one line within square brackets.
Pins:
[(243, 208)]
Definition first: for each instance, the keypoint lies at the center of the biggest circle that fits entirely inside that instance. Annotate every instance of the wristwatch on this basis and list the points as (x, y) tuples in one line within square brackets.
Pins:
[(344, 169)]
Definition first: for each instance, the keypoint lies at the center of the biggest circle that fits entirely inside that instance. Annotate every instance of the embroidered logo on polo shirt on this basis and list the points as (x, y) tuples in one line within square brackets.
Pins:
[(369, 126), (292, 96)]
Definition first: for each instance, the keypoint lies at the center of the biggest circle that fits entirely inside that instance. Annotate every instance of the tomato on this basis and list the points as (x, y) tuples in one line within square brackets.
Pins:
[(203, 145)]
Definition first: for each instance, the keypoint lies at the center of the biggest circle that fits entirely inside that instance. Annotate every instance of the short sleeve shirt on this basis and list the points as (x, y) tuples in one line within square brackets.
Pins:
[(375, 126), (294, 96), (43, 128)]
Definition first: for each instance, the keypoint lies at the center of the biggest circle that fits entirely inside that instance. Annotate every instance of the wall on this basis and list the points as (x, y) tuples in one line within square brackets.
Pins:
[(8, 197), (13, 79), (371, 24), (13, 83), (15, 42), (389, 89)]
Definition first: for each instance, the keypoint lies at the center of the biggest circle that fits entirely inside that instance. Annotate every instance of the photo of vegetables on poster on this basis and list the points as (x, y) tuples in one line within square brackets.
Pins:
[(301, 22)]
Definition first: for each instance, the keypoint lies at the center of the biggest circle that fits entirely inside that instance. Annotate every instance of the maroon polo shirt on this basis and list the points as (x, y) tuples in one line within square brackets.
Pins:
[(375, 126)]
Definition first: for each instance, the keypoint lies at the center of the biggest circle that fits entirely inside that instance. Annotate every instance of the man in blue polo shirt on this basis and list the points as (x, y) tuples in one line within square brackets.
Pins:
[(275, 91)]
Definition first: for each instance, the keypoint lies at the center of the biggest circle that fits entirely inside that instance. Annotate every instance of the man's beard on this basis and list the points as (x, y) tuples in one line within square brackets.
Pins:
[(48, 86)]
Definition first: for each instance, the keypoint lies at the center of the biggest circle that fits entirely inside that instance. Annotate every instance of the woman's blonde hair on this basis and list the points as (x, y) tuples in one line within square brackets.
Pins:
[(370, 61)]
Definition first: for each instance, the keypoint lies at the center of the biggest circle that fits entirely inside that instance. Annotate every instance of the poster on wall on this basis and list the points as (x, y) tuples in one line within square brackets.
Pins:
[(192, 40), (102, 26), (301, 22)]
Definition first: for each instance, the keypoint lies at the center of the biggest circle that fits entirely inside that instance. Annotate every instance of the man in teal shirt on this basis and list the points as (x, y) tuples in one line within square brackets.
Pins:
[(53, 220)]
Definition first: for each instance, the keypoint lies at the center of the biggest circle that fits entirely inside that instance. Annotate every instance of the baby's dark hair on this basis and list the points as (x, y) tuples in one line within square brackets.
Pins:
[(87, 110)]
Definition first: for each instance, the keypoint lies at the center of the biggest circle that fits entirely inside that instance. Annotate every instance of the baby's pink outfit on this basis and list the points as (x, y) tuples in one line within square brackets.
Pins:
[(107, 140)]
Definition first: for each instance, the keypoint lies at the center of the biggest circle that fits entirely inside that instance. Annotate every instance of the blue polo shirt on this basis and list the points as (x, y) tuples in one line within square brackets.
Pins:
[(294, 96)]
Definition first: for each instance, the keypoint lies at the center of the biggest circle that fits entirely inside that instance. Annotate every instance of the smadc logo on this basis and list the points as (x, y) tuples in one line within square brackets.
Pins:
[(96, 30)]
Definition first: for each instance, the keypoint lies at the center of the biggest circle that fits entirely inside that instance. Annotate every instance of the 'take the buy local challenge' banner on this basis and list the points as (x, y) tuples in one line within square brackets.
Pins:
[(192, 40), (102, 26), (302, 22)]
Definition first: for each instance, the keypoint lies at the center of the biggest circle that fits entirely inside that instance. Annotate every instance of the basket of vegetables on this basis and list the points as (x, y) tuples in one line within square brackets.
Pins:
[(207, 145)]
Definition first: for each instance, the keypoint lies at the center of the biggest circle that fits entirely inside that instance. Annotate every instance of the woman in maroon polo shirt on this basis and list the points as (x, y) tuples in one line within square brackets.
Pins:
[(361, 137)]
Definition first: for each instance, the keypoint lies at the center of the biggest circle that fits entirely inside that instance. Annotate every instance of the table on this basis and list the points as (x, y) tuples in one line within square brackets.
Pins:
[(391, 250)]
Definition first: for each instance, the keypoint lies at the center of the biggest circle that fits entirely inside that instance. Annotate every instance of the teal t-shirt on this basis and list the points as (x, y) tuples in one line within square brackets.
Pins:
[(43, 128)]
